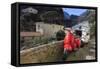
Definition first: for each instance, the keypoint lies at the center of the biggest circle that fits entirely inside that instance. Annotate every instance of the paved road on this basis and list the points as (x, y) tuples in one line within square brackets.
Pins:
[(85, 53), (91, 54)]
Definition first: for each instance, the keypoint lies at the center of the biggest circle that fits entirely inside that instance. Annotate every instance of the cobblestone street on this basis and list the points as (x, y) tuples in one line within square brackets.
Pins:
[(85, 53)]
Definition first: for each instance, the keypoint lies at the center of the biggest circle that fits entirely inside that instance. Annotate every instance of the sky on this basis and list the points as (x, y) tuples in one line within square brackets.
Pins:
[(74, 11)]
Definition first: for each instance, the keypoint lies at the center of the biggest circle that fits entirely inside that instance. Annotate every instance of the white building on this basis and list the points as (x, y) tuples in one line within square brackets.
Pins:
[(85, 28)]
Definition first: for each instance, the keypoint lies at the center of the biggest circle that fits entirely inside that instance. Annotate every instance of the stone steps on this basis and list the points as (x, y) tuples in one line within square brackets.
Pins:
[(92, 50), (88, 57)]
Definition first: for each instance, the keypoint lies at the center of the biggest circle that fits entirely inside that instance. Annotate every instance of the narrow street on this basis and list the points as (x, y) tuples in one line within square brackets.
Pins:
[(85, 53), (91, 48)]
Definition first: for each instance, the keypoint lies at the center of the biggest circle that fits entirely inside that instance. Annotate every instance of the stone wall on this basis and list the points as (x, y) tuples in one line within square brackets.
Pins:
[(48, 30), (51, 52)]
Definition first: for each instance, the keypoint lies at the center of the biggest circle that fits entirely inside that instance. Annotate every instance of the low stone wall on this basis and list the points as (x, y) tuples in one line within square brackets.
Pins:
[(51, 52)]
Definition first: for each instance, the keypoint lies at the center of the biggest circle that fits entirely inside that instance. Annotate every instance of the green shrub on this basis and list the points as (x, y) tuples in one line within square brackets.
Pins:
[(60, 35)]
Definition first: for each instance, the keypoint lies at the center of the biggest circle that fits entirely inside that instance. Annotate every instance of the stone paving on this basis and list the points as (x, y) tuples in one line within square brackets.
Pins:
[(85, 53)]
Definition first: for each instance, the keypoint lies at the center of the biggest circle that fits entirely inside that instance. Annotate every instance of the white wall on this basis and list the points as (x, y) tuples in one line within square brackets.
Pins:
[(5, 46)]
